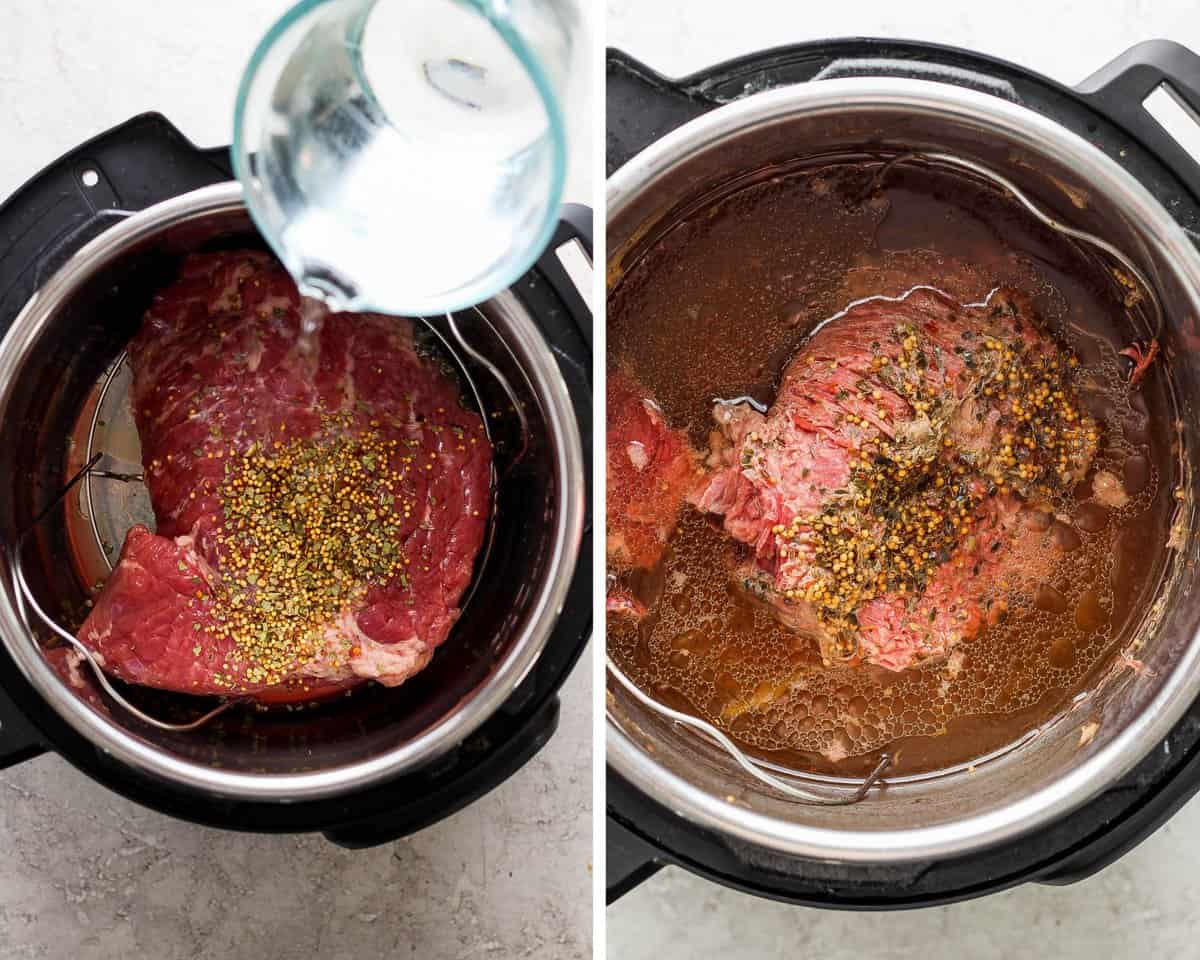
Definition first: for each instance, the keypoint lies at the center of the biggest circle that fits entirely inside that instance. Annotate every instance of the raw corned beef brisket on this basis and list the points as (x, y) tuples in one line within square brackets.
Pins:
[(320, 499)]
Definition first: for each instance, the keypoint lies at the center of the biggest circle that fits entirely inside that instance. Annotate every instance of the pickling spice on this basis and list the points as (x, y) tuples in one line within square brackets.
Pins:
[(310, 525)]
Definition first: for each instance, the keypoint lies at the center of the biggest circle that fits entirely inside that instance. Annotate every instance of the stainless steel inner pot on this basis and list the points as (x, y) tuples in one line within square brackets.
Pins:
[(1060, 768), (51, 360)]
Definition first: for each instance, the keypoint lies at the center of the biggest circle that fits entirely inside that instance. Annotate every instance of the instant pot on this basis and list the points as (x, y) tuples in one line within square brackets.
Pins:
[(83, 248), (1123, 758)]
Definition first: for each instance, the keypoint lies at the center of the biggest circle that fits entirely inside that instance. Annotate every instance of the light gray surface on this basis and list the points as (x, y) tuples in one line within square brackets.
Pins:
[(88, 875), (1146, 905)]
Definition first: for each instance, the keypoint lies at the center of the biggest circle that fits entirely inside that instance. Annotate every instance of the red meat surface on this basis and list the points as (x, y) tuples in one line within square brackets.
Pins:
[(834, 406), (218, 367), (649, 469)]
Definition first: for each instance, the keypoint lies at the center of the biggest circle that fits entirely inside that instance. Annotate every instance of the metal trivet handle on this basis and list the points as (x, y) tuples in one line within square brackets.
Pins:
[(25, 596), (1054, 224), (749, 764)]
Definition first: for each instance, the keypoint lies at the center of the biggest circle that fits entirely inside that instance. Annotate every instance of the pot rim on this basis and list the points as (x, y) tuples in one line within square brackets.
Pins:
[(467, 715), (1179, 690)]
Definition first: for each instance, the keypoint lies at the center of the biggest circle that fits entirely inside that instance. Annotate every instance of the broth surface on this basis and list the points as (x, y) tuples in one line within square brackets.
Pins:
[(731, 292)]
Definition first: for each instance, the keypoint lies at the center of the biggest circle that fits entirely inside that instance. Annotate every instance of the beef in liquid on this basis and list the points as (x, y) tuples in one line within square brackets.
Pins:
[(742, 283)]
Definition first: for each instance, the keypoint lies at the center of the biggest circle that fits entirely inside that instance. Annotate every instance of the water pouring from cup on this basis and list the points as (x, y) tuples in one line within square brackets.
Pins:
[(407, 156)]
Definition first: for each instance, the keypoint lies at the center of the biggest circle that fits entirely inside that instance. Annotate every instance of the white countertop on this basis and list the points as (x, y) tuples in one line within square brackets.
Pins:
[(1146, 904), (91, 876)]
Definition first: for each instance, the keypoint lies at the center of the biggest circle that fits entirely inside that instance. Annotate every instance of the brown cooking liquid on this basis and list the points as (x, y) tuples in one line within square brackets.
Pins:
[(731, 291)]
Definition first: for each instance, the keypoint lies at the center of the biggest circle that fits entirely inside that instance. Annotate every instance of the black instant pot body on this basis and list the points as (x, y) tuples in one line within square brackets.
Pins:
[(146, 161), (1106, 110)]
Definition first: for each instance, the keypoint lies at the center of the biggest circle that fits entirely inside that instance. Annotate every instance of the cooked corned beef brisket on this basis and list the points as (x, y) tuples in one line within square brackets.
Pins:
[(889, 496), (649, 467)]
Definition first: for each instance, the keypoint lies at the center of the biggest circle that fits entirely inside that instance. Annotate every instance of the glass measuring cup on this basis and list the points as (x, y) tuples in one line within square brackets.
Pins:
[(407, 156)]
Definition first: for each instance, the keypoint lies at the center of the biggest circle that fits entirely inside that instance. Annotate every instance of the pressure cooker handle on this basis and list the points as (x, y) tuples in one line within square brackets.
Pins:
[(139, 163), (1155, 799), (20, 740), (567, 323), (574, 226), (575, 223), (1119, 91), (629, 860), (643, 105)]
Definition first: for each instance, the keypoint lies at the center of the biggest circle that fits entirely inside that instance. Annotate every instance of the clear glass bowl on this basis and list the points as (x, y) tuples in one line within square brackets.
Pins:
[(407, 156)]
